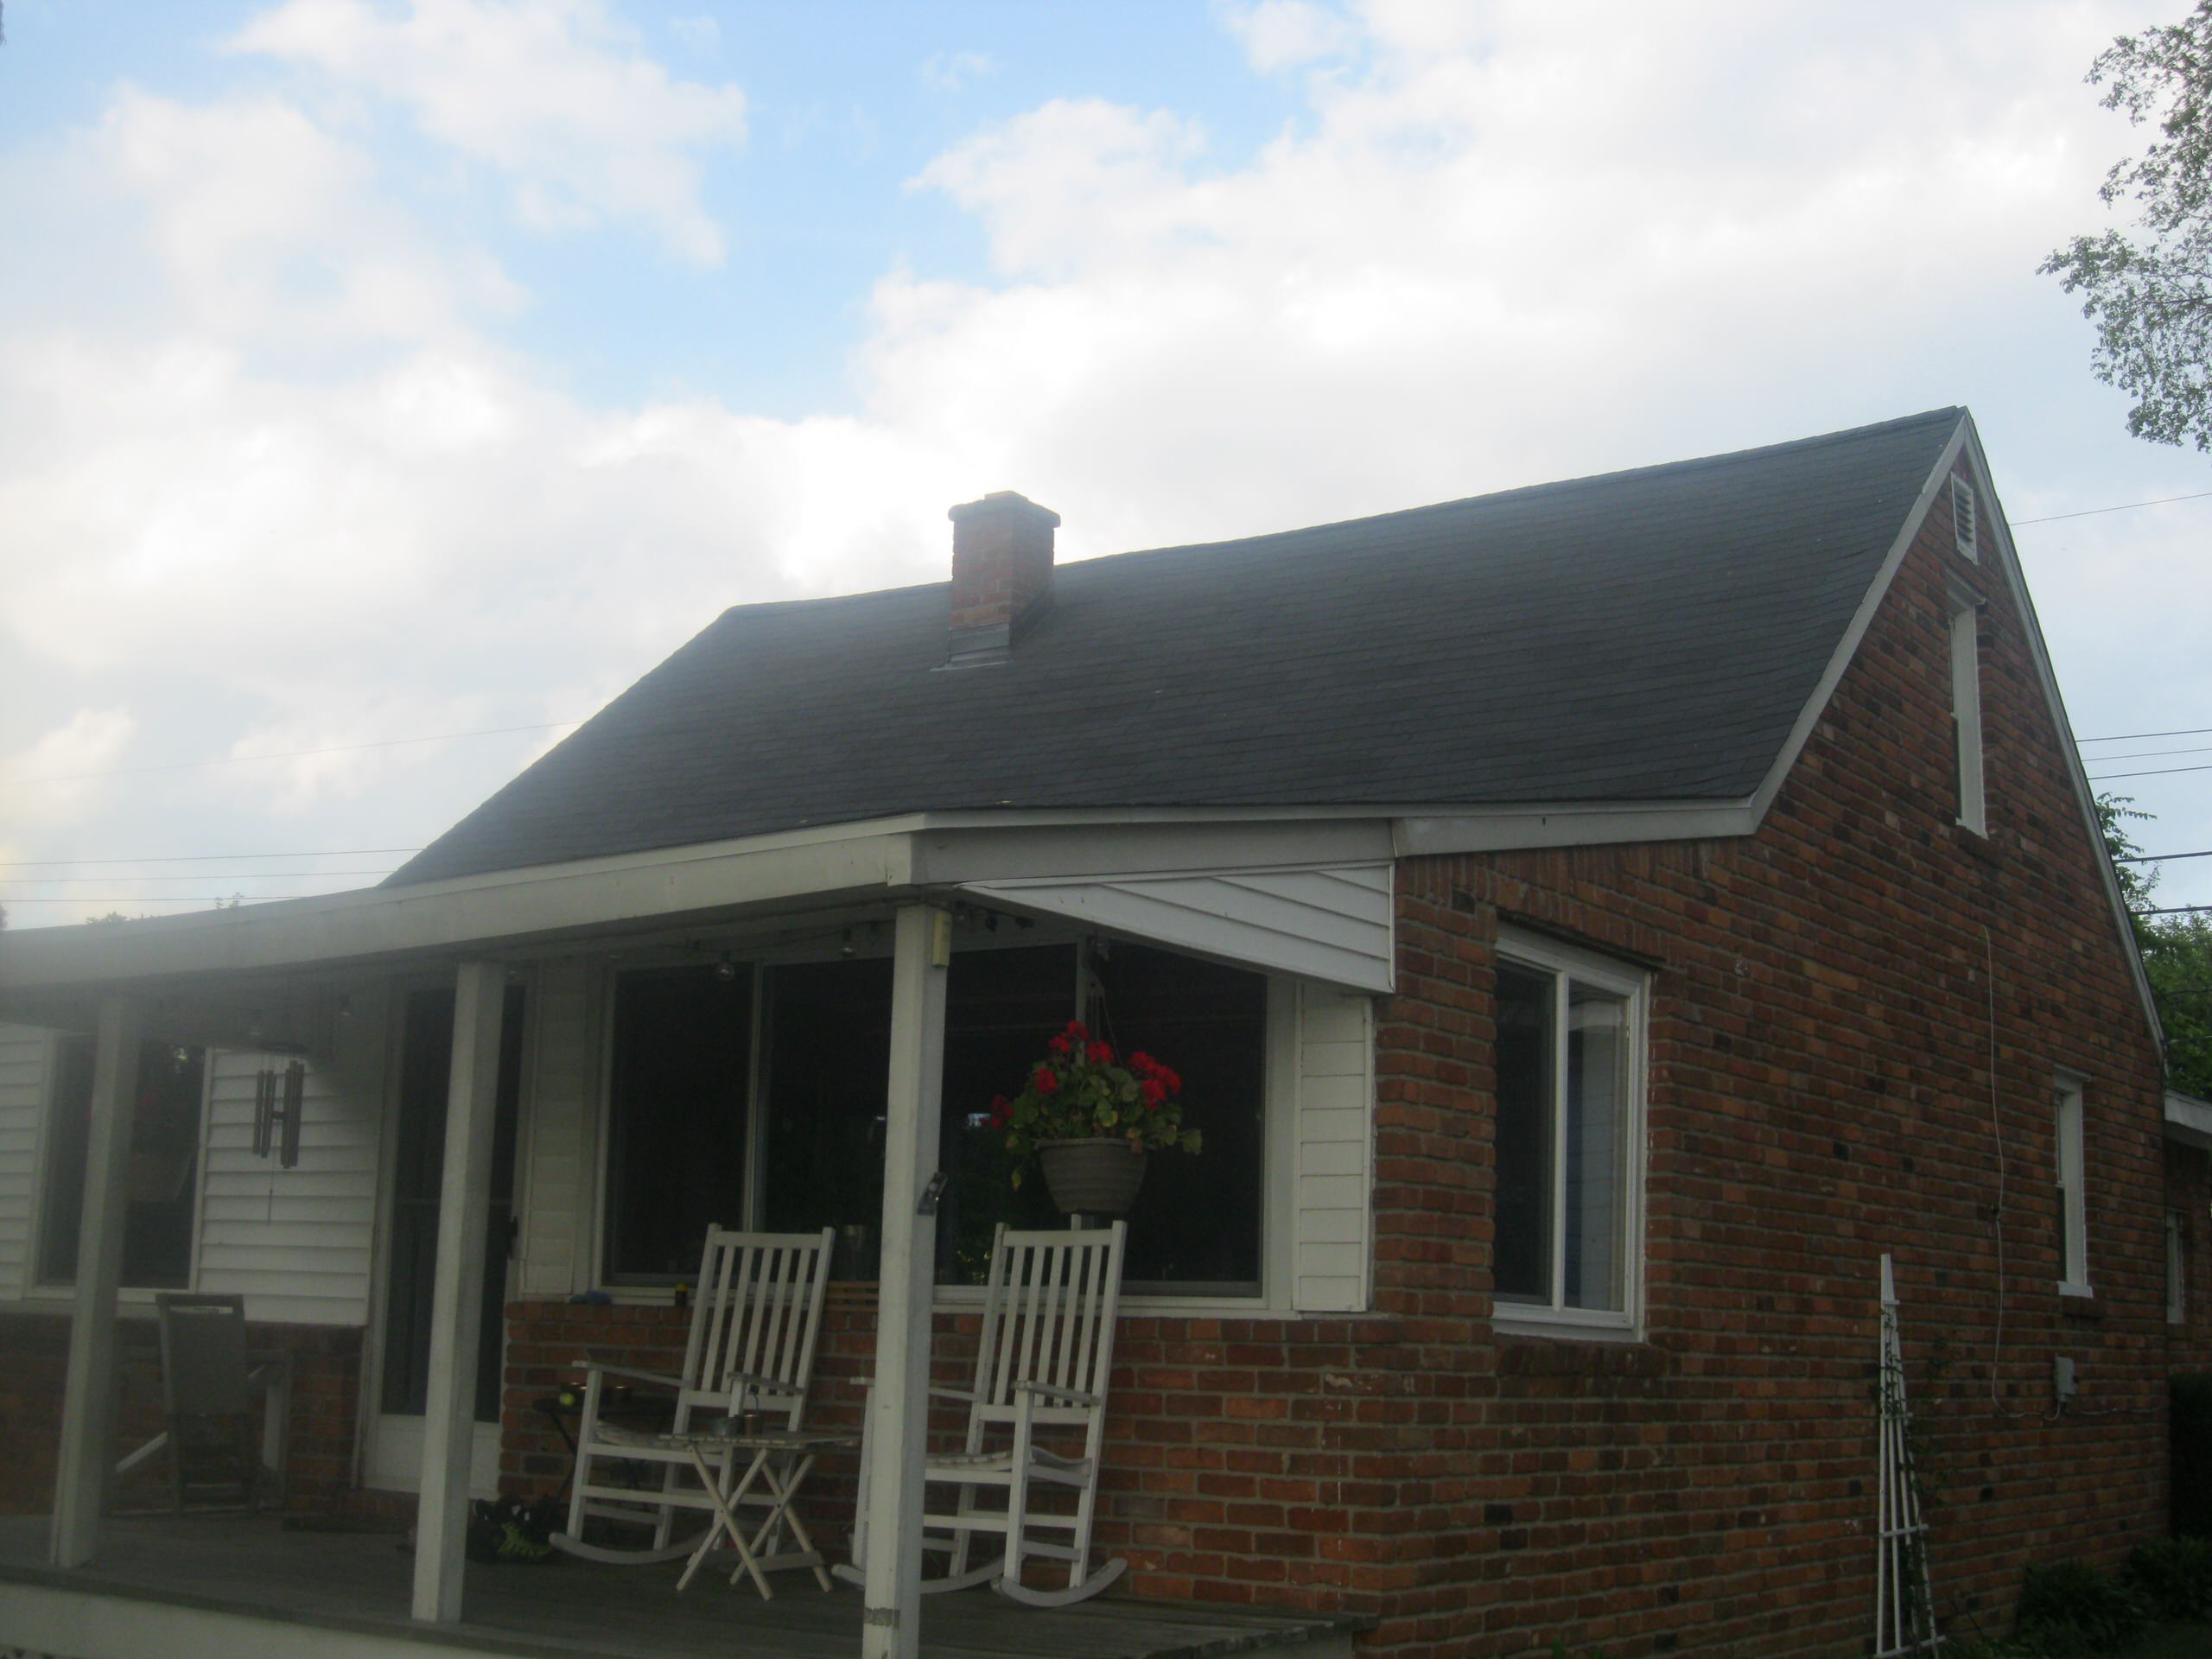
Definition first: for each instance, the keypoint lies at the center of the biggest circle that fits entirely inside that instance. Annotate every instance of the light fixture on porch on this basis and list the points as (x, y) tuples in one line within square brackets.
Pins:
[(726, 970), (846, 947), (278, 1099)]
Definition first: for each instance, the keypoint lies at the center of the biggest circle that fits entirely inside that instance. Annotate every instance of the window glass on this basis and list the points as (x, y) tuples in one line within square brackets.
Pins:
[(2073, 1233), (164, 1158), (1196, 1225), (2176, 1268), (1522, 1258), (677, 1127), (1002, 1007), (1597, 1148), (823, 1081)]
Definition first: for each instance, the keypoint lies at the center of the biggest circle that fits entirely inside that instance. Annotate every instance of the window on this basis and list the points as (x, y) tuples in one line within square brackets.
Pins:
[(2072, 1211), (1962, 520), (2176, 1268), (687, 1104), (1965, 709), (1569, 1132), (677, 1138), (164, 1157)]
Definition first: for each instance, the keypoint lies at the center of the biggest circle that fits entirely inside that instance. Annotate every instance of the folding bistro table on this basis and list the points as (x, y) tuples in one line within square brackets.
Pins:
[(782, 1458)]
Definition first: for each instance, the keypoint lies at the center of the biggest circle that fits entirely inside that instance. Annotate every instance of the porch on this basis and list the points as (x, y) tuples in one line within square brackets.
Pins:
[(210, 1587)]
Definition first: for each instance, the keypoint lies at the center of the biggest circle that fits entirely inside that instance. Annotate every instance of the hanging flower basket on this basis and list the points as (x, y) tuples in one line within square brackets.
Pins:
[(1091, 1119), (1099, 1175)]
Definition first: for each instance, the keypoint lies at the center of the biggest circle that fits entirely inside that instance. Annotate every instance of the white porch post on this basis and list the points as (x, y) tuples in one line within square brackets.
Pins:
[(457, 1291), (88, 1404), (898, 1405)]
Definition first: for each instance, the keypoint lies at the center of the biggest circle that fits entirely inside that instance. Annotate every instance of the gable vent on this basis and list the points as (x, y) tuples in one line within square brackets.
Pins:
[(1962, 518)]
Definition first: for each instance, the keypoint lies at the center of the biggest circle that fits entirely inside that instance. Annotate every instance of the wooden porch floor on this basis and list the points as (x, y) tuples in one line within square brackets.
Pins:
[(229, 1585)]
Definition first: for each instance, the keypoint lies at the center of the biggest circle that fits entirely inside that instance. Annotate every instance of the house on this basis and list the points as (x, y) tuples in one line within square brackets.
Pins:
[(1596, 922)]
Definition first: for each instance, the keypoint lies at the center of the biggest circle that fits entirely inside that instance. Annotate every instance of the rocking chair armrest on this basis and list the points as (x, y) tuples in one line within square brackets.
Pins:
[(594, 1368), (966, 1397), (1053, 1392)]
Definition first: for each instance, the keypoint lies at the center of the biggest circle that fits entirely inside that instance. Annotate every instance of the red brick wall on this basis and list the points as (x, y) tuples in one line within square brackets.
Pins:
[(34, 1360), (1822, 1017)]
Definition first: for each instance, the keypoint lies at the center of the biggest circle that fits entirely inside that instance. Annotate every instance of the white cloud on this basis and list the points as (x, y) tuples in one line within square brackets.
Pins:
[(1289, 33), (59, 775), (697, 34), (954, 72), (1507, 248), (554, 94)]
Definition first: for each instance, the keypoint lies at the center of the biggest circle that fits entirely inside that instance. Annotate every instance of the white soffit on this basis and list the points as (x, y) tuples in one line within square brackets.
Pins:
[(1329, 922), (2188, 1120)]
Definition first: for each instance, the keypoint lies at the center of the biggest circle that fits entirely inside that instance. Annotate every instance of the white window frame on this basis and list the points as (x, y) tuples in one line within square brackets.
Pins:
[(2177, 1268), (2069, 1092), (1278, 1220), (1966, 708), (36, 1287), (1567, 964)]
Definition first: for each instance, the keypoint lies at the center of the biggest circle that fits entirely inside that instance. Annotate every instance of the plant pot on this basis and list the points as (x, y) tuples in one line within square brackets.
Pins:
[(1095, 1176)]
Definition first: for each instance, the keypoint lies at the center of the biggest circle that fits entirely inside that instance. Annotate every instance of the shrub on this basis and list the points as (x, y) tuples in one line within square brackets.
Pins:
[(2175, 1576), (2191, 1452), (2070, 1610)]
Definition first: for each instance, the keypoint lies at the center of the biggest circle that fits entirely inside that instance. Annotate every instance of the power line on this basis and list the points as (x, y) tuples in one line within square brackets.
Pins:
[(202, 858), (2147, 754), (2159, 858), (289, 754), (156, 899), (2129, 737), (202, 875), (2123, 506), (2172, 910), (2155, 771)]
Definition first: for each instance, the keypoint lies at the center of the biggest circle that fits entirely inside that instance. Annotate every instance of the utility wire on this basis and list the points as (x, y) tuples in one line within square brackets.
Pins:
[(2172, 910), (2159, 858), (2129, 737), (2154, 771), (2146, 754), (289, 754), (202, 875), (200, 858), (2123, 506)]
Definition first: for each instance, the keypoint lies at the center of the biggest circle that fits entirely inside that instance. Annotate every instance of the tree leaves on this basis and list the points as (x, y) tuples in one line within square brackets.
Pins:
[(2150, 292)]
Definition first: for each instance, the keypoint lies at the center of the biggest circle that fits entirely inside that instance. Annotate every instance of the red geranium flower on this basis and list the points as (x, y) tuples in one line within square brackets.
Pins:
[(1059, 1045), (1153, 1090), (1044, 1082), (1101, 1054)]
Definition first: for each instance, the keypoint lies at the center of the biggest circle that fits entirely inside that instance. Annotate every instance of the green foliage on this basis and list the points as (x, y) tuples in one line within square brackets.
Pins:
[(2149, 291), (1082, 1089), (2069, 1609), (2175, 1576), (2191, 1441), (2176, 954)]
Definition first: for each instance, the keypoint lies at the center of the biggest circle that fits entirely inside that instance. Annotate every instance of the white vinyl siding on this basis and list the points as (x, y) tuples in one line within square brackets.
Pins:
[(1333, 1150), (25, 1064), (558, 1132), (1330, 923), (297, 1242)]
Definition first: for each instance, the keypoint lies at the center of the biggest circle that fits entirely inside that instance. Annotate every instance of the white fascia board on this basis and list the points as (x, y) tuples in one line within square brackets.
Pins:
[(2084, 797), (1862, 620), (476, 912), (1012, 847), (1511, 829), (2188, 1120)]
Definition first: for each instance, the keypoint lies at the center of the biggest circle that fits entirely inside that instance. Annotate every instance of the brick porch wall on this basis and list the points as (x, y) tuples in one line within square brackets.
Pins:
[(34, 1360)]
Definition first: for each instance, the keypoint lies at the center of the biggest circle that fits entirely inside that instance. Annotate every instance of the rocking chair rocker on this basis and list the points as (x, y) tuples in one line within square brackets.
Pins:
[(1041, 1368)]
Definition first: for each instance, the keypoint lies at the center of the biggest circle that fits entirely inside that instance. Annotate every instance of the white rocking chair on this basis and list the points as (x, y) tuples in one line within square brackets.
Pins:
[(1041, 1369), (751, 1349)]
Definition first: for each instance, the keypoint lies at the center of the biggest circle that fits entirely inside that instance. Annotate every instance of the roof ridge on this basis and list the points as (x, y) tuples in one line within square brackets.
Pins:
[(1931, 416)]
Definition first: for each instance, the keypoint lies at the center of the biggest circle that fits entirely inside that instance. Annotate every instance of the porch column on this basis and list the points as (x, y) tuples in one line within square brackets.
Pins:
[(899, 1404), (88, 1400), (457, 1291)]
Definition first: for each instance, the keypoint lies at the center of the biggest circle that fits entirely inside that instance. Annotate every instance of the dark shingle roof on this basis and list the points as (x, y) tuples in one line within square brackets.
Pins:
[(1642, 636)]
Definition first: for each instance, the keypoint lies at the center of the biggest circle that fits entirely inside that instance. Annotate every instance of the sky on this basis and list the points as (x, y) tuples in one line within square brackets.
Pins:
[(379, 372)]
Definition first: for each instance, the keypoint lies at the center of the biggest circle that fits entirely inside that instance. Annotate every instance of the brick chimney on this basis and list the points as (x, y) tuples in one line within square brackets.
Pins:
[(1002, 575)]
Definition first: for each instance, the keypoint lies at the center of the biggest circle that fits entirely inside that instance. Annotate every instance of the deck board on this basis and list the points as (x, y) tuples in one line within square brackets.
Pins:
[(251, 1566)]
